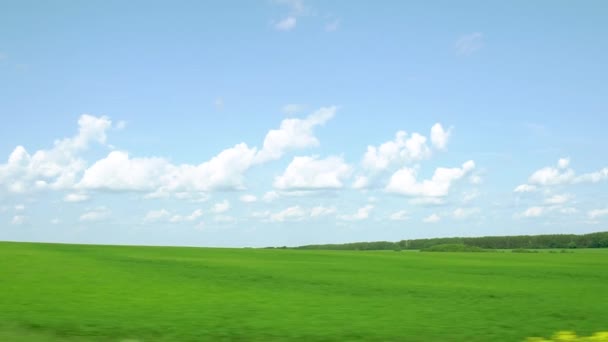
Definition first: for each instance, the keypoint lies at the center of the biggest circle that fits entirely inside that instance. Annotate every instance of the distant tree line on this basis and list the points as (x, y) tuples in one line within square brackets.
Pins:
[(593, 240)]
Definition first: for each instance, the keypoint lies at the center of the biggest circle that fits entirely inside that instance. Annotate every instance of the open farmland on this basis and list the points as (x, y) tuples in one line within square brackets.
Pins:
[(109, 293)]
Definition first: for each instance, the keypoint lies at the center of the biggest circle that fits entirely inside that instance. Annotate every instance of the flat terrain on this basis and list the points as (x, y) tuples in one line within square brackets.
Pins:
[(107, 293)]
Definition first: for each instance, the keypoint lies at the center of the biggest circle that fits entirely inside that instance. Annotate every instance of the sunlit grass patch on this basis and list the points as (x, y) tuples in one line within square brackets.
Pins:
[(571, 336)]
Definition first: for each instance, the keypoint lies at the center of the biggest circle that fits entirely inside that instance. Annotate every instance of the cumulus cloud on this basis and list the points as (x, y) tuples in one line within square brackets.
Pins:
[(361, 182), (404, 181), (551, 176), (75, 197), (221, 207), (464, 213), (294, 134), (558, 199), (270, 196), (320, 210), (433, 218), (248, 198), (533, 212), (426, 201), (361, 214), (56, 168), (97, 214), (400, 215), (157, 215), (286, 24), (61, 168), (196, 214), (295, 213), (18, 220), (311, 173), (401, 150), (559, 175), (525, 188), (119, 172), (439, 136), (593, 177), (597, 213), (296, 8)]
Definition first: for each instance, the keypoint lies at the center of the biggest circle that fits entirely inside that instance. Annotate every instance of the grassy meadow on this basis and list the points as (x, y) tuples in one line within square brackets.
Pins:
[(51, 292)]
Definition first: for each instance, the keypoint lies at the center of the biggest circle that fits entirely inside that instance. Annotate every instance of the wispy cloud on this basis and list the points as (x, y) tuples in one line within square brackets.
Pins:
[(332, 26), (286, 24), (468, 44)]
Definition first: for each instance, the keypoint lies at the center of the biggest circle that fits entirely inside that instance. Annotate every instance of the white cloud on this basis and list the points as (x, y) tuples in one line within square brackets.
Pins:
[(119, 172), (322, 211), (551, 176), (404, 181), (286, 24), (270, 196), (332, 25), (593, 177), (75, 197), (218, 103), (98, 214), (55, 221), (562, 174), (396, 152), (469, 43), (196, 214), (558, 199), (295, 7), (293, 134), (58, 167), (463, 213), (248, 198), (568, 210), (525, 188), (433, 218), (261, 214), (468, 196), (426, 201), (120, 125), (439, 136), (61, 168), (292, 108), (361, 214), (295, 213), (311, 173), (157, 215), (597, 213), (221, 207), (361, 182), (224, 219), (400, 215), (18, 220), (19, 207), (475, 179), (533, 212)]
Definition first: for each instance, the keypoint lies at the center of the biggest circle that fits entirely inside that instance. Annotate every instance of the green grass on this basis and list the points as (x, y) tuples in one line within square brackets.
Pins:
[(105, 293)]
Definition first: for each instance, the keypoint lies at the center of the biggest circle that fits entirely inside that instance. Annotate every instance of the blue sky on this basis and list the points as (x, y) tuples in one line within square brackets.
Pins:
[(258, 123)]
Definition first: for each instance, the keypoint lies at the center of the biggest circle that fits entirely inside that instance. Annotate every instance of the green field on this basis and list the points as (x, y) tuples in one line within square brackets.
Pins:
[(110, 293)]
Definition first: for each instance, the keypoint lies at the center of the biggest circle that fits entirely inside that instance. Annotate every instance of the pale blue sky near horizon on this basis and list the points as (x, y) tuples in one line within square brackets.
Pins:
[(518, 88)]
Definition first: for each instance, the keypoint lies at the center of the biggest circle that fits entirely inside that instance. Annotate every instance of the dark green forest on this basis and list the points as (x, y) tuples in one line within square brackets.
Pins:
[(593, 240)]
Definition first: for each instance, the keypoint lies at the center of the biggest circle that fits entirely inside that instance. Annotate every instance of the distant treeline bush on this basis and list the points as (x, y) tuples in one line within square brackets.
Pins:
[(593, 240), (453, 248)]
